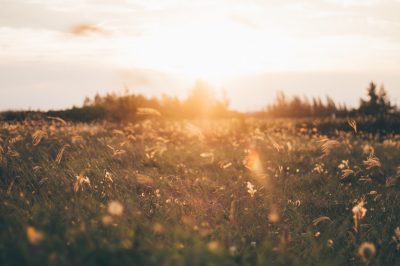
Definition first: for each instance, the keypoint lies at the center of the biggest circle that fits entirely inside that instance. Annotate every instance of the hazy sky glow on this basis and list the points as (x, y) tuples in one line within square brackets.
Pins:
[(53, 53)]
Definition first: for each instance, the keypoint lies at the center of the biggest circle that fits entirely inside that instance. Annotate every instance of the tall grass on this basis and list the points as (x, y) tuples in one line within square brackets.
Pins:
[(228, 192)]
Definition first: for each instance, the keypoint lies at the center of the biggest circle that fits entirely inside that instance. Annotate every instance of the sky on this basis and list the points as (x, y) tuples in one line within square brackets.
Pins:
[(54, 53)]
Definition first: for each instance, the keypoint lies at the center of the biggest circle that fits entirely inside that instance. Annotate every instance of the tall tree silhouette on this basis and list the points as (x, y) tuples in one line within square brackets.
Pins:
[(377, 102)]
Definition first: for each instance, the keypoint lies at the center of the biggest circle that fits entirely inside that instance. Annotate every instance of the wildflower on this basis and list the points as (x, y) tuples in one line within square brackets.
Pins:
[(317, 234), (250, 189), (115, 208), (366, 251), (80, 180), (330, 243), (34, 236), (372, 162), (359, 213)]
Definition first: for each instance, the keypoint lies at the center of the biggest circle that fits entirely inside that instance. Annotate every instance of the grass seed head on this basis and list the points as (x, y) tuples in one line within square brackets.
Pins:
[(372, 162), (37, 136), (359, 213), (80, 181), (353, 124), (328, 145), (250, 189)]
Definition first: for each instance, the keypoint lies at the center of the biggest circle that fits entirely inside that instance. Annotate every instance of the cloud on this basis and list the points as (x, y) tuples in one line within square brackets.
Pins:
[(86, 29), (41, 45)]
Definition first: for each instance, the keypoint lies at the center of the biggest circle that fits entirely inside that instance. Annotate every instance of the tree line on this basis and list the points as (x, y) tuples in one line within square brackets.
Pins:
[(201, 102), (376, 104)]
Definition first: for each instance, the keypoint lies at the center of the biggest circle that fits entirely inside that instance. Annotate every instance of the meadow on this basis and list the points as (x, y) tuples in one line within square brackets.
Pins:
[(239, 191)]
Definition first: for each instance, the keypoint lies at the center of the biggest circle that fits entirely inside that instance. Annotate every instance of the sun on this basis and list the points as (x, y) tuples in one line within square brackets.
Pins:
[(213, 51)]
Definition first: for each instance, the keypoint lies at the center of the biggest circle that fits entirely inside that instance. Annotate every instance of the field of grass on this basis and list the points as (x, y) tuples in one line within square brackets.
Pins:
[(229, 192)]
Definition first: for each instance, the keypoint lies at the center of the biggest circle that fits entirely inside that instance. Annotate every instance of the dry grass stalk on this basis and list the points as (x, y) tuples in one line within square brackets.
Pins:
[(60, 153)]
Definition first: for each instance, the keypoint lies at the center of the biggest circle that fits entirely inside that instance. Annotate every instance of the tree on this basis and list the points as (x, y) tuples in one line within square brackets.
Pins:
[(377, 102), (330, 107), (383, 101)]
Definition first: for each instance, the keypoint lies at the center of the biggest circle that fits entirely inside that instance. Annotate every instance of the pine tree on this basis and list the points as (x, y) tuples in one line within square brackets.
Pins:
[(378, 103)]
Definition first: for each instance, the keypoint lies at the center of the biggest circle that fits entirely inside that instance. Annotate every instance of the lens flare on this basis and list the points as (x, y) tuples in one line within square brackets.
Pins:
[(254, 164)]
